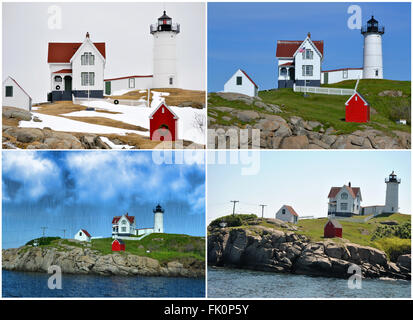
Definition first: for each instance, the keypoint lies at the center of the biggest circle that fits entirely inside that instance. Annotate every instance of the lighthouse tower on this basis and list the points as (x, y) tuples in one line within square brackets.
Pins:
[(158, 224), (164, 52), (373, 57), (392, 193)]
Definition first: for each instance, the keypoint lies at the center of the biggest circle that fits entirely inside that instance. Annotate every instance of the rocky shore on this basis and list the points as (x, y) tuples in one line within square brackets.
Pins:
[(296, 133), (75, 260), (266, 249)]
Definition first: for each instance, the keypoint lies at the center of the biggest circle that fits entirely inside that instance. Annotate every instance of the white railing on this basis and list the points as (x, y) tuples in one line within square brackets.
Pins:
[(324, 90)]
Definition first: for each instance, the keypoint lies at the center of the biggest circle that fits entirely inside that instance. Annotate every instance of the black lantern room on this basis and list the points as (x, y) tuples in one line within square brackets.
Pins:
[(165, 24), (372, 26), (158, 209)]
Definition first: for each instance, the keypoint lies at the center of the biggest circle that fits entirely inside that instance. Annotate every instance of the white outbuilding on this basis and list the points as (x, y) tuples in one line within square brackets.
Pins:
[(119, 86), (15, 96), (287, 214), (83, 235), (240, 82)]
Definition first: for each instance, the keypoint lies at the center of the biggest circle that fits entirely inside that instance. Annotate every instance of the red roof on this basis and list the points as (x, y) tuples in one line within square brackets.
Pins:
[(292, 211), (148, 76), (64, 71), (62, 52), (117, 218), (249, 78), (286, 48), (286, 64), (334, 190), (86, 233), (341, 69), (20, 86)]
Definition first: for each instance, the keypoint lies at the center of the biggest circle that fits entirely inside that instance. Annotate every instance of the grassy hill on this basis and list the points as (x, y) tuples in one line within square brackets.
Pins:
[(393, 239), (163, 247), (329, 109)]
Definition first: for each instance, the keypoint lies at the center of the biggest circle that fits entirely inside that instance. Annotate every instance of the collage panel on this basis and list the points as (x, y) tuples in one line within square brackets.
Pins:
[(103, 224), (310, 224), (104, 75), (309, 75)]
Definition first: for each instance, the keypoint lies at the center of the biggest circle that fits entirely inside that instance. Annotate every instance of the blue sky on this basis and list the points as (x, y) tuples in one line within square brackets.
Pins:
[(244, 35), (73, 190), (303, 180)]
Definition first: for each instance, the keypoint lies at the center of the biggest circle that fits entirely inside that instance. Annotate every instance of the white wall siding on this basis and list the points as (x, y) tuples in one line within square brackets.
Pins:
[(247, 87), (338, 75), (287, 216), (164, 60), (123, 84), (19, 99), (315, 62), (81, 236)]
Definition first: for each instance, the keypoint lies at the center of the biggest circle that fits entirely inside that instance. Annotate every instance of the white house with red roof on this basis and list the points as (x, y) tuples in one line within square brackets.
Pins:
[(123, 226), (15, 96), (299, 62), (241, 82), (344, 201), (76, 68), (83, 235), (287, 214)]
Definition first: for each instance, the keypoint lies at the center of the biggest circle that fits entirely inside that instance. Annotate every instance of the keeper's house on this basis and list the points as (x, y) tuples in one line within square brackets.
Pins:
[(76, 69), (15, 96)]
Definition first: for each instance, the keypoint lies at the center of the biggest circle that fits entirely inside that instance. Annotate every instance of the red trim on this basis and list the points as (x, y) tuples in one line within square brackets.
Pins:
[(292, 211), (249, 78), (129, 77), (286, 64), (342, 69), (64, 71), (287, 48), (86, 233)]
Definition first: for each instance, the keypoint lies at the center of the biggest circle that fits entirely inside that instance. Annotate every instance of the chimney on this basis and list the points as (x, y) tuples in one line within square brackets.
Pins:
[(309, 35), (349, 184), (87, 35)]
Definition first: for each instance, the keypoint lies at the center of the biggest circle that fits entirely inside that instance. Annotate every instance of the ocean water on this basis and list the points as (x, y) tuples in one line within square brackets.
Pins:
[(31, 284), (235, 283)]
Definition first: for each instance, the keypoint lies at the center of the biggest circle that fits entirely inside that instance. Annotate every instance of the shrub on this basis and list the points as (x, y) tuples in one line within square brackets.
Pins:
[(398, 112), (234, 220), (394, 247), (402, 231), (43, 241)]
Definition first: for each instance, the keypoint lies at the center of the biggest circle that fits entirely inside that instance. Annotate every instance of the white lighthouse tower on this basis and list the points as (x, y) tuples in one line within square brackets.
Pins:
[(392, 193), (373, 56), (158, 224), (164, 52)]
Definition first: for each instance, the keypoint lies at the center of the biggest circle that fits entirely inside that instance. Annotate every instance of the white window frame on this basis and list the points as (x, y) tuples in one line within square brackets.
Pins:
[(307, 70), (344, 196), (344, 206), (345, 74), (87, 59), (131, 82), (308, 54), (87, 79)]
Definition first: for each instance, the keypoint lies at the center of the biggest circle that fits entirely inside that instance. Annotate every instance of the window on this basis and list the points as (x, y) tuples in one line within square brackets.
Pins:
[(239, 81), (283, 211), (283, 71), (343, 206), (9, 91), (171, 81), (58, 79), (307, 70), (87, 59), (123, 222), (123, 229), (80, 234), (132, 83), (344, 196), (377, 73), (88, 78), (307, 54), (345, 74)]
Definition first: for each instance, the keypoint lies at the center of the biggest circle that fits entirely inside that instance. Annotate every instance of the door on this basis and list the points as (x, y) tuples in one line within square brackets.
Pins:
[(68, 83), (325, 77), (107, 87)]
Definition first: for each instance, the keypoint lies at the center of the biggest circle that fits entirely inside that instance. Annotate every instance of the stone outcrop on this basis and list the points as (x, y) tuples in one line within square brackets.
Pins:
[(76, 260), (267, 249)]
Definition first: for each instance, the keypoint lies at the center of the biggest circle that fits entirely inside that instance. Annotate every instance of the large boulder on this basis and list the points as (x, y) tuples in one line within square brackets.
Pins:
[(405, 261), (295, 142), (16, 113)]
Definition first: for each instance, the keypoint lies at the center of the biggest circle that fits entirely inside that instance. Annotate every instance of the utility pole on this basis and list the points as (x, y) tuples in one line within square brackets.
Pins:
[(64, 233), (233, 210), (43, 229), (262, 207)]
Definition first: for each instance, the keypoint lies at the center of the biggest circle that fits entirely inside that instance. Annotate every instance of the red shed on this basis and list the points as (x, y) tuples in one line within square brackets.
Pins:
[(333, 229), (163, 124), (357, 109), (118, 245)]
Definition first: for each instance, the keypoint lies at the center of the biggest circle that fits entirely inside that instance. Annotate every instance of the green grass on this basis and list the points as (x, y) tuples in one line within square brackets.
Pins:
[(329, 109), (394, 247), (171, 247)]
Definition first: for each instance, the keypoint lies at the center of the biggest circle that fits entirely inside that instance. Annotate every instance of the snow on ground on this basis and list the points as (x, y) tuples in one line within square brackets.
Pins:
[(139, 116), (115, 146), (63, 124), (157, 98)]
